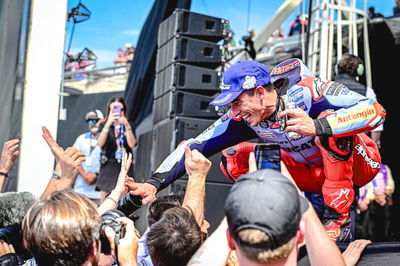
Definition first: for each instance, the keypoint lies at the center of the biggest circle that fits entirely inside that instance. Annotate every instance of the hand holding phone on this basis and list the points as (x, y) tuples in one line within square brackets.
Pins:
[(116, 110), (268, 156)]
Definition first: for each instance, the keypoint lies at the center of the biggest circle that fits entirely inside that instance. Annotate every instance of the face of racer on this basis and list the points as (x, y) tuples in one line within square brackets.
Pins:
[(256, 108)]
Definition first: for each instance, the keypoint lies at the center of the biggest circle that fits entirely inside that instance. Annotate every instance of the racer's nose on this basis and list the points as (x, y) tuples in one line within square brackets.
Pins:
[(234, 111)]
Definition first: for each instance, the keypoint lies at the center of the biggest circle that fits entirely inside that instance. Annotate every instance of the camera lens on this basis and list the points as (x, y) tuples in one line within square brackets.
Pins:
[(129, 204)]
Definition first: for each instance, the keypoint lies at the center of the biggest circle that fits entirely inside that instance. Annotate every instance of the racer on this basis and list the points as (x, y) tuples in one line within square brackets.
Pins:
[(318, 124)]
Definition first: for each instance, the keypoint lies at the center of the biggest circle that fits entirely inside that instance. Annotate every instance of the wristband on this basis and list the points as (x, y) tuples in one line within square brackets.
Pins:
[(4, 174), (56, 175), (109, 197)]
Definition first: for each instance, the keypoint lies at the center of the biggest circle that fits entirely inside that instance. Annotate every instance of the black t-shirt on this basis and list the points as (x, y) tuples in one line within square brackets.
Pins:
[(110, 146)]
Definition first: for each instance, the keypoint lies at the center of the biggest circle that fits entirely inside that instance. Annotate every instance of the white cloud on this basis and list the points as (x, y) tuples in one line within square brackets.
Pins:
[(130, 32)]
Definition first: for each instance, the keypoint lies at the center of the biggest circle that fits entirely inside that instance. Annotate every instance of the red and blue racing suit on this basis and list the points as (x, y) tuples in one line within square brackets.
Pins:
[(330, 163)]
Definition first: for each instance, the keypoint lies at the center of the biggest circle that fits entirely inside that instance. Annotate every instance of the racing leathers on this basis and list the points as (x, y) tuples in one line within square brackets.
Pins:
[(330, 163)]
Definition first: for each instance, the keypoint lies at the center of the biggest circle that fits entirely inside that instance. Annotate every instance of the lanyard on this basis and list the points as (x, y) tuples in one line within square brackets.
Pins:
[(119, 136)]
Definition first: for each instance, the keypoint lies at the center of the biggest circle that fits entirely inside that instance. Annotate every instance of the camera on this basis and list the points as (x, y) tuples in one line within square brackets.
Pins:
[(109, 219), (13, 235)]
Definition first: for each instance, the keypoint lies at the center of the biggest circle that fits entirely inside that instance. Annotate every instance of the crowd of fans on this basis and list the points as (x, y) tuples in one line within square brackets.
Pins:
[(267, 220)]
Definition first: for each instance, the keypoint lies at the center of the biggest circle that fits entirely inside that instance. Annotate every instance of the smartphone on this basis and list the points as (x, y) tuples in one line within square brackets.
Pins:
[(268, 155), (116, 109)]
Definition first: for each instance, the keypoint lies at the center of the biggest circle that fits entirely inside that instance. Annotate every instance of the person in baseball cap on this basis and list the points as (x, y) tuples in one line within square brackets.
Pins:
[(240, 77), (263, 211), (92, 118)]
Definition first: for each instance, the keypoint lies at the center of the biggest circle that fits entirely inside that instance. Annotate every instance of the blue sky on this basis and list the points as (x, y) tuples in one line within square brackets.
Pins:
[(112, 24)]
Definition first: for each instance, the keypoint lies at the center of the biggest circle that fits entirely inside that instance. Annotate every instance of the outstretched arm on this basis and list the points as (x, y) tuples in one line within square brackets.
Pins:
[(8, 156), (68, 160), (317, 239), (197, 166), (120, 189), (224, 133)]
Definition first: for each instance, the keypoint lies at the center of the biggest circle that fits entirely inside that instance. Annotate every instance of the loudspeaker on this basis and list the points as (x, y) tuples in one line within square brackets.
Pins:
[(142, 165), (181, 103), (214, 202), (189, 51), (169, 133), (185, 23), (185, 77)]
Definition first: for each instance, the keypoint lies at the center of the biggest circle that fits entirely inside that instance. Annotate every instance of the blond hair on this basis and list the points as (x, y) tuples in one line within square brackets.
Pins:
[(262, 255)]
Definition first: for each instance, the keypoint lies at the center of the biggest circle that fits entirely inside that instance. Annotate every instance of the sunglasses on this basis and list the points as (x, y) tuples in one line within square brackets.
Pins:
[(92, 121)]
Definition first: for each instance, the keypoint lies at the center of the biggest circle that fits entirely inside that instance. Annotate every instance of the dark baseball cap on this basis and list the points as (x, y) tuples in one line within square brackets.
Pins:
[(242, 76), (267, 201)]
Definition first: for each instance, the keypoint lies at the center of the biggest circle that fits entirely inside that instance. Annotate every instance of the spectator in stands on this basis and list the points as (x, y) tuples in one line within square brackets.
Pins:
[(372, 14), (87, 144), (298, 26), (120, 61), (129, 52), (116, 138), (349, 69), (8, 155), (396, 9), (69, 63), (121, 58), (249, 43)]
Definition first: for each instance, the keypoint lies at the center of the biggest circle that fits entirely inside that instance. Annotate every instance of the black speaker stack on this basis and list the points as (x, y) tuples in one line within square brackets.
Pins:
[(186, 82)]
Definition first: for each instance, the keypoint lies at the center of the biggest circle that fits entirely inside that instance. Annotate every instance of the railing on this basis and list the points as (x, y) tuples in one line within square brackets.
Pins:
[(99, 73)]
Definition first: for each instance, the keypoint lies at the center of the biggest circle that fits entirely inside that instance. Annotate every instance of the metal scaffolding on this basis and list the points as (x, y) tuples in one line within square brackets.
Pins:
[(334, 25)]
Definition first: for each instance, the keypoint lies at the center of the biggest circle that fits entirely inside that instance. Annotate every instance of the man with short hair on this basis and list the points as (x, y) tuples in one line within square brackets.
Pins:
[(87, 144), (318, 124), (270, 232), (174, 238), (63, 229)]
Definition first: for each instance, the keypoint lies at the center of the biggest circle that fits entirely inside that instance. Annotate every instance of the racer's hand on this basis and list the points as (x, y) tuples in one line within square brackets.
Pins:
[(145, 190), (299, 122)]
